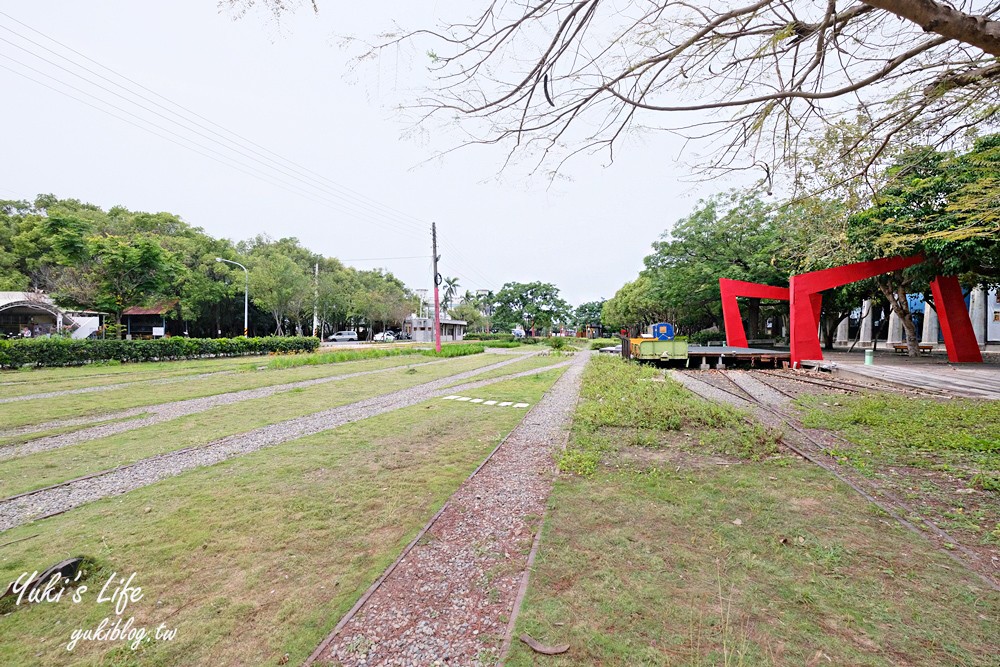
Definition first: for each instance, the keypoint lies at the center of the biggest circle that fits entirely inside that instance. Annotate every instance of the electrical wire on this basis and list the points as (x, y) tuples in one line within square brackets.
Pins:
[(316, 188)]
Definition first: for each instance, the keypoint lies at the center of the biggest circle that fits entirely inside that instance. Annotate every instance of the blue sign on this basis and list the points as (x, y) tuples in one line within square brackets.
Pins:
[(663, 331)]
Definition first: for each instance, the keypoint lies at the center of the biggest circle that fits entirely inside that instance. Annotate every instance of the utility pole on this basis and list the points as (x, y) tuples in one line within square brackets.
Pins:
[(437, 282), (316, 301)]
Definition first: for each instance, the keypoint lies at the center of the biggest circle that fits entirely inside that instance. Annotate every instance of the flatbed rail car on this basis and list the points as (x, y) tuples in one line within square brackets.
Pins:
[(678, 353)]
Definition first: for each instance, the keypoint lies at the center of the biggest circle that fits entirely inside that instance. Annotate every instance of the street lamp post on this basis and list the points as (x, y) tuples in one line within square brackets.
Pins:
[(246, 295)]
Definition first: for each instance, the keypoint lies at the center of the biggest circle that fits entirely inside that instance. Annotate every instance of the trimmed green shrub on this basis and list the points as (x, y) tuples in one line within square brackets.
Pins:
[(69, 352)]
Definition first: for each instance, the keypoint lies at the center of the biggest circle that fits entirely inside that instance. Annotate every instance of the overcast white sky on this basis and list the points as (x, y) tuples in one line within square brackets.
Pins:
[(287, 89)]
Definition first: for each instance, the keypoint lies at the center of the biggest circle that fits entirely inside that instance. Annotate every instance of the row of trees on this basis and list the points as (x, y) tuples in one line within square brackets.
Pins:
[(942, 204), (111, 260)]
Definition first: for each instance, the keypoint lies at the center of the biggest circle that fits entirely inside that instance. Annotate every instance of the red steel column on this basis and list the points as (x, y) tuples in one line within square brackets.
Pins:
[(956, 327)]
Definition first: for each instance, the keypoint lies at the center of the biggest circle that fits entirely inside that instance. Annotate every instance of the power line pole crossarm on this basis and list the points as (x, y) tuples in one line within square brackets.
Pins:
[(437, 282)]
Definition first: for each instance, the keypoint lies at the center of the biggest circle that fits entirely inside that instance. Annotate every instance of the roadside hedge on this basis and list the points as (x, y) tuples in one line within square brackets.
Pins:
[(69, 352)]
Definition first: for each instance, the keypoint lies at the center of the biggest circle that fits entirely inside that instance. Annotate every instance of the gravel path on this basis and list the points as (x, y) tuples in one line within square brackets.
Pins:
[(110, 387), (451, 597), (765, 393), (161, 413), (62, 497)]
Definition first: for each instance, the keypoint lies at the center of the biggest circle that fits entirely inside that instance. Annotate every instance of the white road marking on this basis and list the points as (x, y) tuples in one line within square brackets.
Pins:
[(476, 400)]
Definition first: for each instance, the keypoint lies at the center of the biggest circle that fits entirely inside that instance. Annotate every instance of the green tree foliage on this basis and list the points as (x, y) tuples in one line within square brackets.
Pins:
[(52, 244), (533, 305), (588, 313), (450, 292), (633, 306), (278, 285), (940, 204), (728, 236)]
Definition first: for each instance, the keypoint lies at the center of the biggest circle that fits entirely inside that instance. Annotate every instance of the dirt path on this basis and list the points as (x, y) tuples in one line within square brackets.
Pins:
[(452, 597), (59, 498)]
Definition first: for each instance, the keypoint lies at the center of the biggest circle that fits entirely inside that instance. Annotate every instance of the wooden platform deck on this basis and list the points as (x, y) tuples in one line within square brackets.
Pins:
[(971, 381)]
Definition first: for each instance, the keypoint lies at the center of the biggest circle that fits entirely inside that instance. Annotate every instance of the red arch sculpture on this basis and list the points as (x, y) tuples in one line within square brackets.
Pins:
[(806, 301), (736, 335)]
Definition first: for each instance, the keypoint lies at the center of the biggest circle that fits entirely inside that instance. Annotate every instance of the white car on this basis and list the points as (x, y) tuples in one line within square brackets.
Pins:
[(384, 337), (344, 335)]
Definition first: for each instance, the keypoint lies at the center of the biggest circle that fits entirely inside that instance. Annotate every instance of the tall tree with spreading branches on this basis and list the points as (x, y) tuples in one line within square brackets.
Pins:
[(550, 79)]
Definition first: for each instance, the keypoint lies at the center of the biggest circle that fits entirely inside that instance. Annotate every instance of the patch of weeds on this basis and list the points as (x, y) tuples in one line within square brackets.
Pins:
[(747, 441), (945, 436), (359, 645), (986, 482)]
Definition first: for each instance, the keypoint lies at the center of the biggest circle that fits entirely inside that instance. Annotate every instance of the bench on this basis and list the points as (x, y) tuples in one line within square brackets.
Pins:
[(903, 348)]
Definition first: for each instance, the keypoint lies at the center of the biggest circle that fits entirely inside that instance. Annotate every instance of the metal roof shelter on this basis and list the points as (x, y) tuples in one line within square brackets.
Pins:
[(32, 310)]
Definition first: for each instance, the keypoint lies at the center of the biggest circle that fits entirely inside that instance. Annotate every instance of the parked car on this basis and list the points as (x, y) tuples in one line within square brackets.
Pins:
[(384, 337), (344, 335), (517, 333)]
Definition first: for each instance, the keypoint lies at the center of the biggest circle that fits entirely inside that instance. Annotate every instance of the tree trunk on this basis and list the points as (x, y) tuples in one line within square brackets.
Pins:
[(829, 329), (901, 306), (946, 21), (753, 318)]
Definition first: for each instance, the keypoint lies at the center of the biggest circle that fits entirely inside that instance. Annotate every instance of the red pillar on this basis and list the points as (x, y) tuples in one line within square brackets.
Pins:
[(807, 300), (956, 327), (736, 335)]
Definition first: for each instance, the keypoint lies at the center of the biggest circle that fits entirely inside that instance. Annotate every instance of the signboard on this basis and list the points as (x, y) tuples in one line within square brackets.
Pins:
[(158, 332)]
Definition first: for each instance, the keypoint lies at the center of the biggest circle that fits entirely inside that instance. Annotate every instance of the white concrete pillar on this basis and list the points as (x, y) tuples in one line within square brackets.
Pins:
[(930, 332), (866, 323), (977, 313), (895, 329), (843, 332)]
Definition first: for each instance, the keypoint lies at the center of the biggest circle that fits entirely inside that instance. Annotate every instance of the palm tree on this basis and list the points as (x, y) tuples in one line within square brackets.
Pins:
[(450, 290)]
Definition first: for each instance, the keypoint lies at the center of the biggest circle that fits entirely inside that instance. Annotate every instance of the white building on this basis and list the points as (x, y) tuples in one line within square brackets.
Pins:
[(36, 313), (421, 329)]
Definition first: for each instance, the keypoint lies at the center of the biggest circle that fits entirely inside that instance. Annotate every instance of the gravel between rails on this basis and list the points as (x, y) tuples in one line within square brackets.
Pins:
[(163, 412), (59, 498), (447, 600), (760, 390), (110, 387)]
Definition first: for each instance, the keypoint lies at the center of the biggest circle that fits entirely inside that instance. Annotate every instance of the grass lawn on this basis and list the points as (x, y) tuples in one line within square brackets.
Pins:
[(531, 363), (44, 468), (942, 457), (684, 543), (257, 557), (39, 380), (43, 410)]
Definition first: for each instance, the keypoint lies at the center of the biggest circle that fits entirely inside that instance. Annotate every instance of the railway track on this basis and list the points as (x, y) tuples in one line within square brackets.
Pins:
[(815, 452), (58, 498), (846, 385)]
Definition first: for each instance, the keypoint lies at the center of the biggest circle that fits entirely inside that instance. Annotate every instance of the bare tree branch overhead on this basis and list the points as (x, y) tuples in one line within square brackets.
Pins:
[(553, 78)]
